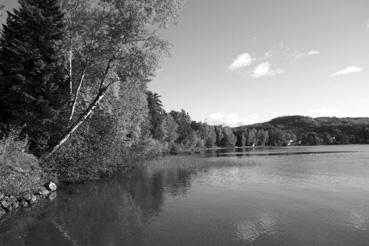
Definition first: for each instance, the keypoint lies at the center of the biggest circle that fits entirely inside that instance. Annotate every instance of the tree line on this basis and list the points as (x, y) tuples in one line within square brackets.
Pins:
[(73, 82), (302, 130), (183, 134)]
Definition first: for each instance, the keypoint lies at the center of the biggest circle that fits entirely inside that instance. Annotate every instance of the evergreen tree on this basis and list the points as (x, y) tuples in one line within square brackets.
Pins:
[(219, 135), (156, 115), (33, 82)]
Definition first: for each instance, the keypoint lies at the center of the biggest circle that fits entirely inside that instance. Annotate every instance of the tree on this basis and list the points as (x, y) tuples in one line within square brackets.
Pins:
[(171, 128), (156, 115), (128, 105), (229, 139), (185, 131), (263, 137), (219, 135), (211, 136), (277, 137), (327, 138), (112, 42), (251, 137), (33, 79), (241, 138), (364, 135), (311, 138)]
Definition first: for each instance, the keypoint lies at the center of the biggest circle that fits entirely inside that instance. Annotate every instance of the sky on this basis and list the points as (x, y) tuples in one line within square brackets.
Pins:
[(237, 62), (247, 61)]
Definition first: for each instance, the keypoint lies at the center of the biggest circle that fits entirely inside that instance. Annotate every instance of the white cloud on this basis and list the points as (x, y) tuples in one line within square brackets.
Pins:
[(232, 120), (265, 70), (320, 112), (313, 52), (348, 70), (299, 54), (242, 61)]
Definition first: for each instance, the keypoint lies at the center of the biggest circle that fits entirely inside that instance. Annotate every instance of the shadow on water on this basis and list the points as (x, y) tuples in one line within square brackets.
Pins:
[(283, 153), (270, 151), (103, 213)]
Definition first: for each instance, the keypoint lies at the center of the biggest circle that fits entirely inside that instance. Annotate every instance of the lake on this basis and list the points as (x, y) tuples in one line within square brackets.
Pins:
[(263, 196)]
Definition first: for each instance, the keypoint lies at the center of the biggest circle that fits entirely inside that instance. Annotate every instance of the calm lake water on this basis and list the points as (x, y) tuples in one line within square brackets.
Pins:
[(281, 196)]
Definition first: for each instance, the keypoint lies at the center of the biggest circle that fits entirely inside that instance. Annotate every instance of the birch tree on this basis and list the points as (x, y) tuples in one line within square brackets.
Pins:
[(111, 41)]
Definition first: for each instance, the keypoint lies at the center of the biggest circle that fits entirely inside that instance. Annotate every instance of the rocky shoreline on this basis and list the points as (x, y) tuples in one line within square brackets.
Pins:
[(12, 203)]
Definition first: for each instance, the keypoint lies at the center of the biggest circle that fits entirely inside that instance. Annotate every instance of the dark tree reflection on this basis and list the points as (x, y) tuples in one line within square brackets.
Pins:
[(111, 212)]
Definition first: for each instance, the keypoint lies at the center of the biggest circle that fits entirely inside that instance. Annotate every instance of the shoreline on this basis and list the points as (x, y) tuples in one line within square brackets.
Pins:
[(10, 203)]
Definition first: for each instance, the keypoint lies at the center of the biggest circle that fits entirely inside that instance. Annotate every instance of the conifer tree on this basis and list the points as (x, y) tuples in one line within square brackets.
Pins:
[(33, 77), (156, 115)]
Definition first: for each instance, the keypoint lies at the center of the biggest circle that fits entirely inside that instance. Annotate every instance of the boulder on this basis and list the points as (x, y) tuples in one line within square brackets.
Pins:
[(33, 199), (2, 196), (27, 196), (15, 205), (6, 204), (51, 186), (30, 198), (14, 202), (43, 192)]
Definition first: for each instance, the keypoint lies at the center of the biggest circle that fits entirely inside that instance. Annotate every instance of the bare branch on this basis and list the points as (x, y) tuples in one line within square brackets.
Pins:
[(76, 95)]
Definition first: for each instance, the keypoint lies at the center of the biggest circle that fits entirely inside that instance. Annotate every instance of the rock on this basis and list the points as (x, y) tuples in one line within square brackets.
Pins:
[(23, 203), (2, 213), (15, 205), (14, 202), (27, 197), (52, 196), (51, 186), (30, 198), (2, 196), (33, 199), (43, 192), (6, 204)]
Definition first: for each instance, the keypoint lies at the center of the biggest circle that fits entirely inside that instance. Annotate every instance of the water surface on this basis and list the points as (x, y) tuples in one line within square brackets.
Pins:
[(274, 196)]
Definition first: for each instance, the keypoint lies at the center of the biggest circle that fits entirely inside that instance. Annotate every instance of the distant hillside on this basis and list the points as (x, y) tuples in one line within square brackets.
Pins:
[(306, 130)]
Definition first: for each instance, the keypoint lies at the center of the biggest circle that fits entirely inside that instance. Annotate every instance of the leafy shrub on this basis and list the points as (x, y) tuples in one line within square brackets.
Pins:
[(19, 171), (150, 147), (99, 148)]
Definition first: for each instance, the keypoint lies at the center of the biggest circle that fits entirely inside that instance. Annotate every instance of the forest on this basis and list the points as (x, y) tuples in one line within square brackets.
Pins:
[(75, 104), (303, 130)]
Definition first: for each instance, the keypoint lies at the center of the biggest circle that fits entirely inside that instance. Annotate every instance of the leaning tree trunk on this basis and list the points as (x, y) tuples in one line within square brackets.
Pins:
[(82, 118), (87, 113)]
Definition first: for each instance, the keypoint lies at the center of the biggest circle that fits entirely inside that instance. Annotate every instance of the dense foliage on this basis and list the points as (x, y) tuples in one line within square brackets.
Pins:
[(33, 79), (300, 130), (20, 172), (74, 80)]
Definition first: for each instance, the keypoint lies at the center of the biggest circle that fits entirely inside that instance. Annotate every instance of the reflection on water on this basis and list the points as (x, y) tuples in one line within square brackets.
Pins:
[(248, 231), (285, 196), (360, 220)]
